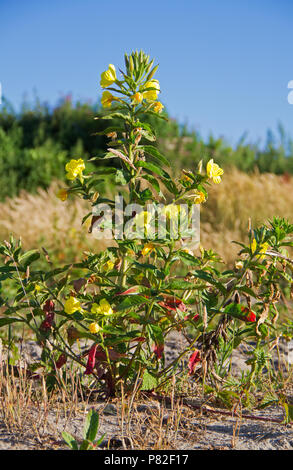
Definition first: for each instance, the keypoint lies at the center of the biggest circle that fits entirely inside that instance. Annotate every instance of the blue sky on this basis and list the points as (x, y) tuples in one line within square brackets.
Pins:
[(224, 64)]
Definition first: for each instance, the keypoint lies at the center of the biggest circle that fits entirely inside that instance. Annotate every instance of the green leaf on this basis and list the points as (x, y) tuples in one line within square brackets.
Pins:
[(77, 316), (132, 301), (170, 185), (70, 441), (288, 412), (145, 195), (154, 182), (207, 277), (57, 271), (9, 321), (155, 333), (149, 381), (234, 310), (125, 117), (154, 152), (108, 130), (99, 441), (7, 269), (153, 168), (29, 257), (84, 445), (187, 258), (91, 425), (106, 171)]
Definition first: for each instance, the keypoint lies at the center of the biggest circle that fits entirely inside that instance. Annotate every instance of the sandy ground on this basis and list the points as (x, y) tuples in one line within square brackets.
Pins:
[(154, 424)]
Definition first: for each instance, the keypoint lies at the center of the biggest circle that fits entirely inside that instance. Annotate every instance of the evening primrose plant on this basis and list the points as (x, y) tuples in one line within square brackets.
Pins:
[(110, 314)]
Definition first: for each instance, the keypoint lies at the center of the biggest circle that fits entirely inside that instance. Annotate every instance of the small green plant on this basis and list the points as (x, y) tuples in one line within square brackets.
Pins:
[(90, 430)]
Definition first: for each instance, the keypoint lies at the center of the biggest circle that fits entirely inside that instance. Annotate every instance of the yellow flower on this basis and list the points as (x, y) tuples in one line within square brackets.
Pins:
[(238, 264), (72, 305), (189, 252), (74, 169), (263, 248), (38, 287), (214, 171), (158, 107), (108, 77), (94, 328), (107, 99), (142, 220), (171, 211), (148, 247), (62, 194), (199, 197), (151, 95), (109, 265), (137, 98), (104, 308)]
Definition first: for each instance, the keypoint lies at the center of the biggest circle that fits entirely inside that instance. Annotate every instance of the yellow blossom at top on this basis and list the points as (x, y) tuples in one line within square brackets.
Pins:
[(148, 247), (151, 95), (199, 197), (108, 77), (72, 305), (94, 328), (137, 98), (262, 251), (158, 107), (74, 169), (104, 308), (62, 194), (107, 99), (214, 171)]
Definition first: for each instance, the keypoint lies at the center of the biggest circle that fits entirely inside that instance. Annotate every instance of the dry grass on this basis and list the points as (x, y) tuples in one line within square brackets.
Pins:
[(239, 197), (30, 418), (44, 219)]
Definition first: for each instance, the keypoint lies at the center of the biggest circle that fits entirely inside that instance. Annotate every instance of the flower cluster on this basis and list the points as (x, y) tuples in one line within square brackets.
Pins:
[(142, 92)]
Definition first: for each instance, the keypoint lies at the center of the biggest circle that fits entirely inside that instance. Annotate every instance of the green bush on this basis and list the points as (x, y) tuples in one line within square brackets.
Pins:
[(36, 143)]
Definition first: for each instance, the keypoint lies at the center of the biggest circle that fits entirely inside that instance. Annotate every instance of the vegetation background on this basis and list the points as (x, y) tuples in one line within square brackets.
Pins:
[(37, 142), (218, 80)]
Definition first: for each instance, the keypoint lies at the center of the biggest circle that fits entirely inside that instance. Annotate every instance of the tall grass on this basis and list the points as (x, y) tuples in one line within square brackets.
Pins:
[(42, 219)]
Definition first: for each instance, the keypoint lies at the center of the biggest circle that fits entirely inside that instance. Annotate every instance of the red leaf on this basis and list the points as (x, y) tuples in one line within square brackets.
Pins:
[(131, 290), (158, 350), (170, 303), (61, 360), (193, 360), (49, 306), (249, 314), (139, 339), (195, 318), (91, 360), (97, 356), (48, 322)]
